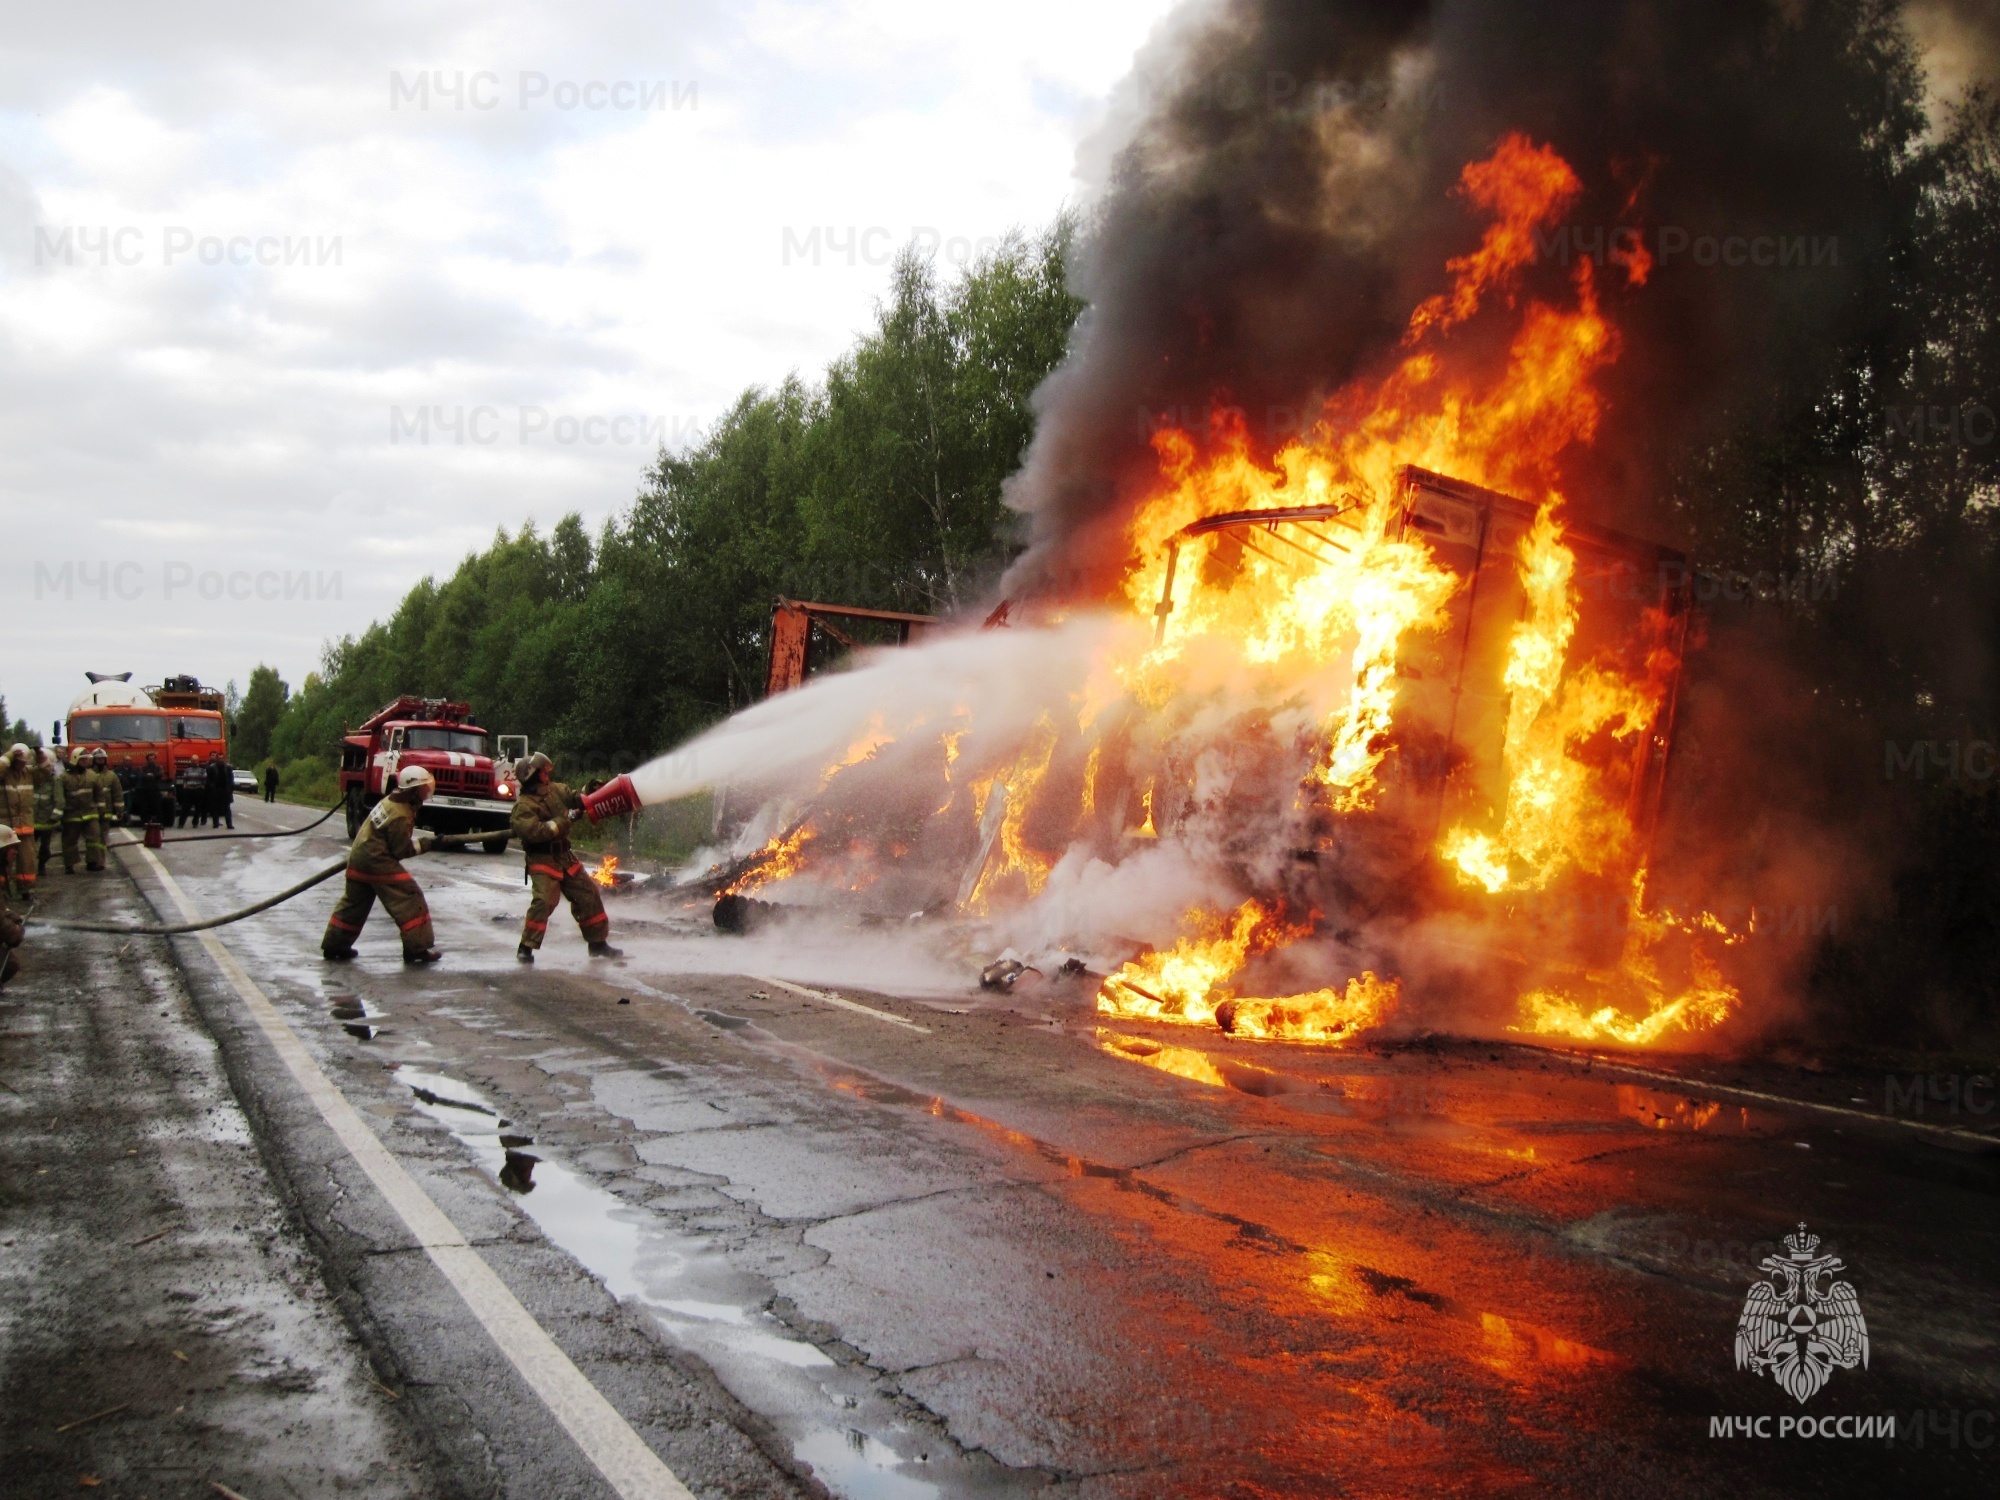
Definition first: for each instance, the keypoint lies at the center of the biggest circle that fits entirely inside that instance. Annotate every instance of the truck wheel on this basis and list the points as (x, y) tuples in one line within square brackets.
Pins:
[(357, 809), (494, 846)]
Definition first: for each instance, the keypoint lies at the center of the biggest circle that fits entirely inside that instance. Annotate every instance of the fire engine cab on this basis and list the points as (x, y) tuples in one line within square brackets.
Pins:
[(472, 796), (177, 725)]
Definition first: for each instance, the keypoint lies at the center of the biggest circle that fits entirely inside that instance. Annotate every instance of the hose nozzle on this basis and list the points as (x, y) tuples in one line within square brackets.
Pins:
[(615, 797)]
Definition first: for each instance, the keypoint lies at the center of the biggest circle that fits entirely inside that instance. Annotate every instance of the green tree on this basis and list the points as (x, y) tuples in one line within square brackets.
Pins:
[(881, 487), (20, 733), (263, 705)]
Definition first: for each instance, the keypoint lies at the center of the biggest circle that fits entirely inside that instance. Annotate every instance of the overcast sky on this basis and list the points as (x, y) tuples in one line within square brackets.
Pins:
[(299, 303)]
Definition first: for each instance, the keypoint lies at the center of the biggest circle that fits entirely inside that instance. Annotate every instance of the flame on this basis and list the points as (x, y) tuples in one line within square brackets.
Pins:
[(1349, 592), (783, 856), (1190, 984), (1636, 1004), (1304, 637), (1523, 187), (1558, 813), (872, 739), (1014, 858), (606, 872)]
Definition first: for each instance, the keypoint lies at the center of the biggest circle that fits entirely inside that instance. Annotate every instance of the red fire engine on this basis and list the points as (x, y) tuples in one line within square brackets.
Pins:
[(472, 795)]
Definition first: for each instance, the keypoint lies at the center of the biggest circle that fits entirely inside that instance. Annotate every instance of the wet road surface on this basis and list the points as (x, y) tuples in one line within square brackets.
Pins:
[(915, 1241), (162, 1320)]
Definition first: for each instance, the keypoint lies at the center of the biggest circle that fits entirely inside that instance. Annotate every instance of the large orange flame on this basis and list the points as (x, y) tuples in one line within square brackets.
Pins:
[(1190, 983), (1303, 632)]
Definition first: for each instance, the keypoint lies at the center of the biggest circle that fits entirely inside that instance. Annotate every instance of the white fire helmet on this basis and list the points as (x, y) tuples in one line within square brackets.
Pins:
[(415, 776), (17, 748), (81, 757)]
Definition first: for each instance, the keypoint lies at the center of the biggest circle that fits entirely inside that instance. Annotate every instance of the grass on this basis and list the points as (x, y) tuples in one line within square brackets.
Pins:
[(667, 833), (311, 779)]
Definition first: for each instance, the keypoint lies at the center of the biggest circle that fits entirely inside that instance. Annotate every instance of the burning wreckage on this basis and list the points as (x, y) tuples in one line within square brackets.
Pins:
[(1363, 720)]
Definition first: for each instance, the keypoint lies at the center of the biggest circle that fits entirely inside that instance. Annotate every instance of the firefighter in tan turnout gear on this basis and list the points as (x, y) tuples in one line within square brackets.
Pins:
[(48, 808), (110, 806), (79, 816), (17, 802), (387, 836), (542, 810), (12, 931)]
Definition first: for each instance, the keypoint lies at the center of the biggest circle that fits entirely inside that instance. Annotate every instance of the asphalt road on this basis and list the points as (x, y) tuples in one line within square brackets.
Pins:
[(807, 1210)]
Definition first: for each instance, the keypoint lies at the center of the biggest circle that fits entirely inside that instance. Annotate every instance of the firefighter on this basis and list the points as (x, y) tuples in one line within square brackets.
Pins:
[(79, 815), (542, 809), (388, 836), (110, 806), (12, 931), (48, 808), (17, 802)]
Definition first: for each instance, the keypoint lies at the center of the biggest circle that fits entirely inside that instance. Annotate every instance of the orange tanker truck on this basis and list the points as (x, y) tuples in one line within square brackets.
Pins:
[(179, 723)]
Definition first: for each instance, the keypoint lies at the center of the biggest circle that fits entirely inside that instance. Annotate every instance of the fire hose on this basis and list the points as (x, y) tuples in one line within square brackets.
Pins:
[(272, 833), (449, 841)]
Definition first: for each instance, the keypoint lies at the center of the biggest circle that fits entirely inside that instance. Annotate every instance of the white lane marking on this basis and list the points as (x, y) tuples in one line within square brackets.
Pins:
[(607, 1440), (1732, 1091), (842, 1001)]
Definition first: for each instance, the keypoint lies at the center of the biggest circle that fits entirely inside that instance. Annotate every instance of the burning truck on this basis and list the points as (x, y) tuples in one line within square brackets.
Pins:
[(1357, 729)]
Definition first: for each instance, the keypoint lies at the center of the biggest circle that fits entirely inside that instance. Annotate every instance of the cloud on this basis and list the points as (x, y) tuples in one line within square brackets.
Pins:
[(271, 308)]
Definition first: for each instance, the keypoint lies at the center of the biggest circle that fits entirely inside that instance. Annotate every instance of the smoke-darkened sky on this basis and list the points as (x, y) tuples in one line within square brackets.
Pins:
[(1288, 200)]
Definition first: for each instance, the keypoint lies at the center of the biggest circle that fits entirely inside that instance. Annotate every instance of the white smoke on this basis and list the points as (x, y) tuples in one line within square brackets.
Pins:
[(996, 683)]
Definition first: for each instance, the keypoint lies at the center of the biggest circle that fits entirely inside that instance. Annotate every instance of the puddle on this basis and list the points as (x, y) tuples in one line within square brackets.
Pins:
[(1284, 1089), (834, 1415), (357, 1017), (517, 1172), (441, 1101), (1658, 1109), (853, 1463), (1345, 1284)]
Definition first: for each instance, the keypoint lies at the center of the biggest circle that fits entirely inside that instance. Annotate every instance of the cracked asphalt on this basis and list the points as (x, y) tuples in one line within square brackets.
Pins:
[(924, 1242)]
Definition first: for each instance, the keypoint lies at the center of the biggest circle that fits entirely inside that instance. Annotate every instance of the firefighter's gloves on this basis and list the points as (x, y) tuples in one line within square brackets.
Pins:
[(423, 838), (554, 830)]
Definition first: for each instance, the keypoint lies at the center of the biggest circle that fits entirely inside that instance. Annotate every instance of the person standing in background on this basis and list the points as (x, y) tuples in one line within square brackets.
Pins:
[(48, 808), (79, 816), (110, 806), (12, 930), (271, 783), (146, 796), (221, 792), (17, 803)]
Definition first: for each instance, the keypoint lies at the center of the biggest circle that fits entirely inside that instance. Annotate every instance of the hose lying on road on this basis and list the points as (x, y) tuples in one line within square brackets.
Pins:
[(273, 833), (165, 930)]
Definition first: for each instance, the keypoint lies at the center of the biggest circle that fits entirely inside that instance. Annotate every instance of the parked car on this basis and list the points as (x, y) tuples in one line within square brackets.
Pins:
[(245, 781)]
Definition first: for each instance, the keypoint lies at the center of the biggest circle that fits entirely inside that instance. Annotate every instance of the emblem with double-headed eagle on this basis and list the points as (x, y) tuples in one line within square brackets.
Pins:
[(1798, 1330)]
